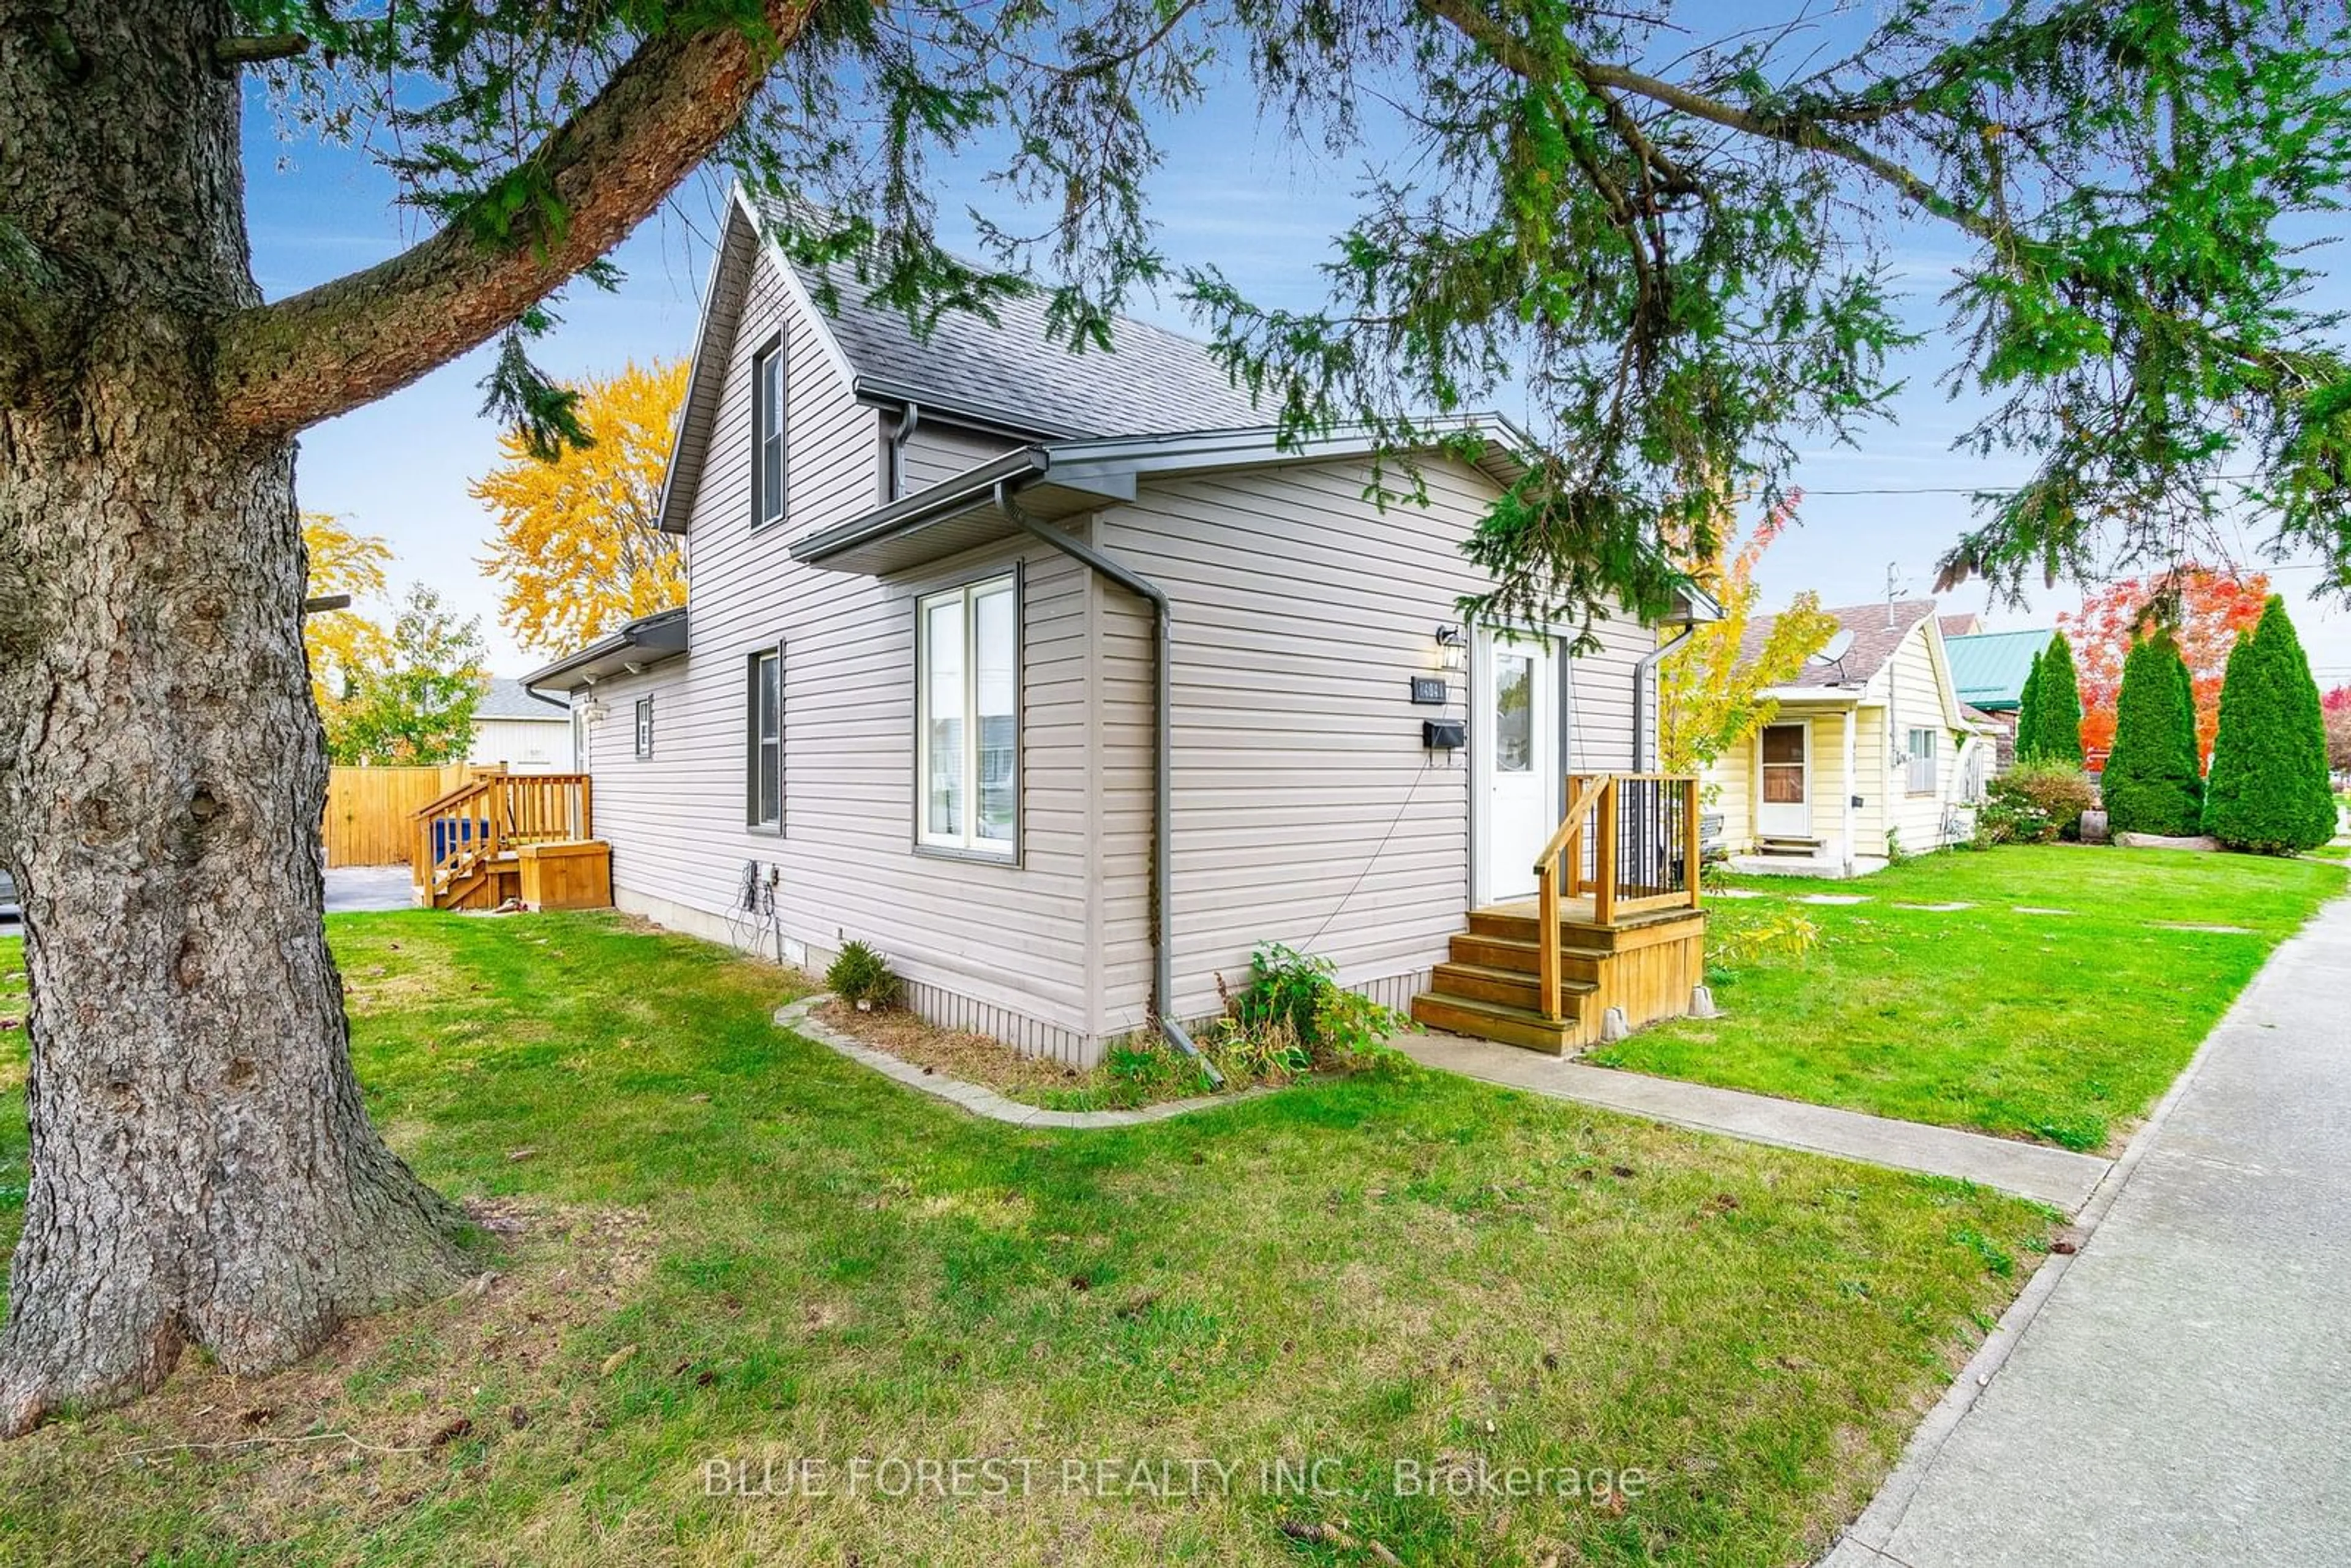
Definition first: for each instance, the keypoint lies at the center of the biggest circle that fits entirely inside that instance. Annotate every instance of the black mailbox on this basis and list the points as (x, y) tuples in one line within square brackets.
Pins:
[(1443, 734)]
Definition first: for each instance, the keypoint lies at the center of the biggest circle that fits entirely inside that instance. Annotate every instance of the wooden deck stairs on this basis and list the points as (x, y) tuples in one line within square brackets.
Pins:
[(1626, 934), (480, 844)]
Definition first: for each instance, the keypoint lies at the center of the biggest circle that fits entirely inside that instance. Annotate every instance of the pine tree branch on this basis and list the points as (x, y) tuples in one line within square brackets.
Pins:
[(1514, 54), (1805, 134), (2285, 372), (286, 366), (259, 49)]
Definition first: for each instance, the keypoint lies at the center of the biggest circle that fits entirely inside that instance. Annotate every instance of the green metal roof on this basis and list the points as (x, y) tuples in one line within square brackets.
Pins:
[(1990, 669)]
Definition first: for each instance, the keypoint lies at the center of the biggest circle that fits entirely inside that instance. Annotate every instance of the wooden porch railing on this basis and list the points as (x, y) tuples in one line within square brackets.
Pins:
[(491, 816), (1631, 841)]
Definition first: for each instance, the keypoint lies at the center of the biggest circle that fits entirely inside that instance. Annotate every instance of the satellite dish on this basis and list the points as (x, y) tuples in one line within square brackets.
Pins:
[(1838, 645)]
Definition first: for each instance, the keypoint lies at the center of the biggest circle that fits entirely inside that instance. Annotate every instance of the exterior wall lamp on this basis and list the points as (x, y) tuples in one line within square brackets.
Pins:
[(1452, 648)]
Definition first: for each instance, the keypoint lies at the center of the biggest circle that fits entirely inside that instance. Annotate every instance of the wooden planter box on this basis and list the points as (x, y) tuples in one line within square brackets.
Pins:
[(572, 873)]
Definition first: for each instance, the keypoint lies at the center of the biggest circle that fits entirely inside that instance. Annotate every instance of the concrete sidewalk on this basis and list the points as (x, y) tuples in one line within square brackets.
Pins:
[(2056, 1176), (2178, 1392)]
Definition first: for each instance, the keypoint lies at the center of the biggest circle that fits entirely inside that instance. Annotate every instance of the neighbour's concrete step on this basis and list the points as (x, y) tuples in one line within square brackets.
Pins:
[(1788, 845), (1494, 1021), (1523, 955), (1513, 988)]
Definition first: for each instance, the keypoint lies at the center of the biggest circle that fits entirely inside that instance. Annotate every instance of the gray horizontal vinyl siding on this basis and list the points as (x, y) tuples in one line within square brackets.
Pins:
[(1001, 949), (1307, 810), (937, 451)]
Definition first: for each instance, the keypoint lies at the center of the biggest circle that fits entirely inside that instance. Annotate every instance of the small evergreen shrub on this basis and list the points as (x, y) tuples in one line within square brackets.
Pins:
[(2056, 735), (2153, 783), (2034, 803), (2028, 712), (862, 974), (2269, 792)]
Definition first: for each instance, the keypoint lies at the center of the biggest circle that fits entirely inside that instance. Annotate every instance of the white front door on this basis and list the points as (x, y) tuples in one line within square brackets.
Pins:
[(1785, 808), (1514, 755)]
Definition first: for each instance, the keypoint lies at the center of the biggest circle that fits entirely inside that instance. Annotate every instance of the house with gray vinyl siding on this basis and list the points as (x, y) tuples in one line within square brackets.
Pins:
[(1058, 681)]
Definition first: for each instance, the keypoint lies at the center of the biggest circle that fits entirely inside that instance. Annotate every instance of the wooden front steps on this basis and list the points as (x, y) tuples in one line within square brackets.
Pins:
[(1644, 963)]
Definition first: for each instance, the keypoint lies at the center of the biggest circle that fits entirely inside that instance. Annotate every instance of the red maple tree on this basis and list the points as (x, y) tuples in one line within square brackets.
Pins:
[(2336, 705), (2212, 607)]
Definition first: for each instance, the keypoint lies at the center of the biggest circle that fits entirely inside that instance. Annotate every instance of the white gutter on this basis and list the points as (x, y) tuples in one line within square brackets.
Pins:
[(1641, 673)]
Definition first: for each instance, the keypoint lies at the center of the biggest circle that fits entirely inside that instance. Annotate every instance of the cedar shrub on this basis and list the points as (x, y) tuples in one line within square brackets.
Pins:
[(2152, 784), (2057, 711), (2269, 790), (2028, 713)]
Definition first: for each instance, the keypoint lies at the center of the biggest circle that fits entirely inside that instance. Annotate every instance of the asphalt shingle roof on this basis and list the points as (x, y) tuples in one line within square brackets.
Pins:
[(1153, 381), (509, 698), (1874, 640)]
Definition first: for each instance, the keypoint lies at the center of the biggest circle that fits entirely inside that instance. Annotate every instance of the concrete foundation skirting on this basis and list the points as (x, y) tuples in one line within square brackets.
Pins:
[(977, 1098)]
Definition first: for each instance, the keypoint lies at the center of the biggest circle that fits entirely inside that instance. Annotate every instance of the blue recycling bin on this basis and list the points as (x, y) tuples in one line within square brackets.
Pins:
[(450, 834)]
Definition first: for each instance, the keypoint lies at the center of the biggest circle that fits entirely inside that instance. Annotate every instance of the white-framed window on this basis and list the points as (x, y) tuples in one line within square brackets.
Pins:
[(644, 727), (763, 762), (967, 718), (1922, 762), (767, 435)]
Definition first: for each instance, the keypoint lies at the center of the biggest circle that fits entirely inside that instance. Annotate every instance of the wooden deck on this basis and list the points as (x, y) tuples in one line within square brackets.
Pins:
[(528, 839)]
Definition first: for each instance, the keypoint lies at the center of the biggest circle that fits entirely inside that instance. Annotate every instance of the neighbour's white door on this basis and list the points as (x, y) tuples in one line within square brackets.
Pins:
[(1515, 759), (1785, 807)]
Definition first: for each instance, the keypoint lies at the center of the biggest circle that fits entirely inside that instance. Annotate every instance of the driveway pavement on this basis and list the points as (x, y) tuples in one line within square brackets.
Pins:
[(2179, 1391), (348, 888), (358, 887)]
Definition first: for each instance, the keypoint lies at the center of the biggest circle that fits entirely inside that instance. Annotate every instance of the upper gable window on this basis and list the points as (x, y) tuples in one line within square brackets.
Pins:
[(767, 435)]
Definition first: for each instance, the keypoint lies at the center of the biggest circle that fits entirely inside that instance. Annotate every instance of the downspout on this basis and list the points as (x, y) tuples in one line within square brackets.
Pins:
[(1641, 673), (1163, 767), (908, 418)]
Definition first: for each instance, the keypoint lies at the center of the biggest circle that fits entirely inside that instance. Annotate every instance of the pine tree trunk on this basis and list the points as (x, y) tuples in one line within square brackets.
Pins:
[(203, 1167)]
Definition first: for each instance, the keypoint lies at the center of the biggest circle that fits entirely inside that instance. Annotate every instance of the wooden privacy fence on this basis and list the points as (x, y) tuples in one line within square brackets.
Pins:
[(370, 810)]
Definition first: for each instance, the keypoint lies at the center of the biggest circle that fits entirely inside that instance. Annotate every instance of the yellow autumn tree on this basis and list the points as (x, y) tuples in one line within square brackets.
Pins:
[(577, 546), (1709, 698), (341, 642)]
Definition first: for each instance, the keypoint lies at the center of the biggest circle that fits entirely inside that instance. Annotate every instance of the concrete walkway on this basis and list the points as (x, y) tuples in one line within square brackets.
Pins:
[(2055, 1177), (2179, 1391)]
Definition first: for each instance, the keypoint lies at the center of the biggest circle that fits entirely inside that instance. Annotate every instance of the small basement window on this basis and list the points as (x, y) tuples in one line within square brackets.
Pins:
[(967, 718)]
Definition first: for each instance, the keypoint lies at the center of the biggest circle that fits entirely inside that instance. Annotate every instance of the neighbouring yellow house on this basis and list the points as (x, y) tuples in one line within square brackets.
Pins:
[(1870, 753)]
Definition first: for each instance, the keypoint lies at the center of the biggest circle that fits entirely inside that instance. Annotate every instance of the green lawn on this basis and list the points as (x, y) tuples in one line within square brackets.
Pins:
[(2060, 1028), (744, 1247)]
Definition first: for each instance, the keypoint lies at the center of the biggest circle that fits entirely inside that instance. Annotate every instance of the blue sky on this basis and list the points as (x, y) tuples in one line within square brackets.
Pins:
[(1232, 193)]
